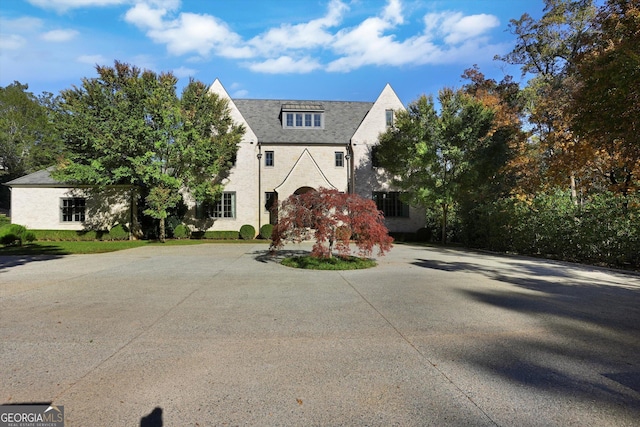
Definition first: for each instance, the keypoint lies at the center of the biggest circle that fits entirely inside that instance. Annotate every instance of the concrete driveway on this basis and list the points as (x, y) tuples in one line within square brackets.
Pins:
[(220, 334)]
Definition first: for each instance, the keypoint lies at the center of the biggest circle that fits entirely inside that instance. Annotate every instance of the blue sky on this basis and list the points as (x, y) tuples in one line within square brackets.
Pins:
[(286, 49)]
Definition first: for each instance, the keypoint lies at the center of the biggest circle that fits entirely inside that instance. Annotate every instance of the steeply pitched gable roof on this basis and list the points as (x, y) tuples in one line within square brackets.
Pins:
[(341, 119)]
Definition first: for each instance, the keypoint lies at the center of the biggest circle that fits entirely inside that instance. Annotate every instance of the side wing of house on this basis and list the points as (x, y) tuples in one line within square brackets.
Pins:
[(372, 181), (39, 202)]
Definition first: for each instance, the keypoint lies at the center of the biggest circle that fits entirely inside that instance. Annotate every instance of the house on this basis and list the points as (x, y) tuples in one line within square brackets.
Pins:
[(289, 147)]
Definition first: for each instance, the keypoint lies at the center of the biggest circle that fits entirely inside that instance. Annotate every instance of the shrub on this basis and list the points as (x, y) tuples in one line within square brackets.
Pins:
[(181, 232), (15, 234), (68, 235), (119, 232), (215, 235), (247, 232), (319, 214), (4, 220), (266, 231)]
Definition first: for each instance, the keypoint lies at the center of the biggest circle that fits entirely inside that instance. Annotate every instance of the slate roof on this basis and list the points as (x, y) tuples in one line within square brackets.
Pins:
[(41, 177), (341, 120)]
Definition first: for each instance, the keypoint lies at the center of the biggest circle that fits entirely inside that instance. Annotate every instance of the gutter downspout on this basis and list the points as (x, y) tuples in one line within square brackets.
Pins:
[(351, 169), (259, 186)]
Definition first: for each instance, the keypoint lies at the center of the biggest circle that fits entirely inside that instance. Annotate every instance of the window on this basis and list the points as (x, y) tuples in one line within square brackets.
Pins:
[(339, 159), (389, 117), (390, 204), (375, 162), (302, 115), (73, 209), (268, 158), (270, 197), (225, 207)]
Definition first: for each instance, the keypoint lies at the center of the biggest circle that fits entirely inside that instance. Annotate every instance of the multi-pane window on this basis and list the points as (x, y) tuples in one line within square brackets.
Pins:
[(389, 117), (73, 209), (303, 116), (268, 158), (339, 155), (225, 207), (390, 204)]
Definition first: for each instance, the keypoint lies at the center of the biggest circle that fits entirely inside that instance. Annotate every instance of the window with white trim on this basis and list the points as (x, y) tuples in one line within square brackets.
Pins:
[(72, 209), (339, 159)]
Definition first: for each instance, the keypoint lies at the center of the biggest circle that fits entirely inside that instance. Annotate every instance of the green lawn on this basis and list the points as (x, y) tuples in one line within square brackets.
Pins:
[(96, 247), (334, 263)]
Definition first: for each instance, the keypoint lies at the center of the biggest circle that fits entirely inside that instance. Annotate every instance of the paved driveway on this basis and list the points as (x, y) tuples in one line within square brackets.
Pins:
[(222, 335)]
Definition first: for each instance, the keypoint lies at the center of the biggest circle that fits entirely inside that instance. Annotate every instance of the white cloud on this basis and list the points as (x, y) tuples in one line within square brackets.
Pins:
[(59, 35), (285, 65), (64, 5), (307, 35), (144, 16), (182, 72), (12, 42), (242, 93), (91, 59), (188, 33), (454, 27), (295, 47), (24, 24)]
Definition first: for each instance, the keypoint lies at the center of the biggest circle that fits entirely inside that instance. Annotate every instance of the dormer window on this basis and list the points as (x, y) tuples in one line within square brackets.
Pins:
[(302, 116)]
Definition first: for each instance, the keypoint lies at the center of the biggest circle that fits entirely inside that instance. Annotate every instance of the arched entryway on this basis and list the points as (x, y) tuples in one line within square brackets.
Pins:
[(303, 190)]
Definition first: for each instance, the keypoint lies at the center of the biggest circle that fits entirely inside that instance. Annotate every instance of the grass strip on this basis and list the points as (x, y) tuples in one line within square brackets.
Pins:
[(335, 263)]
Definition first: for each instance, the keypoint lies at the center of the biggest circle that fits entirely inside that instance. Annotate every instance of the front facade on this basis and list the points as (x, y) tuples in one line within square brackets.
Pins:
[(289, 147)]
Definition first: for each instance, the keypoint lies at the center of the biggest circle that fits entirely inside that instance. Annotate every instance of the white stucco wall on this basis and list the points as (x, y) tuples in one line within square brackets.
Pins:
[(368, 178), (38, 208)]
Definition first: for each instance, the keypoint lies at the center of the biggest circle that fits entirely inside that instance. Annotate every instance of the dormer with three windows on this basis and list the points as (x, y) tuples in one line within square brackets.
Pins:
[(302, 116)]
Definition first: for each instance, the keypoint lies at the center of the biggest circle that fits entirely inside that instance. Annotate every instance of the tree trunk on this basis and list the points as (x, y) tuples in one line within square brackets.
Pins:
[(574, 193), (444, 223), (162, 232)]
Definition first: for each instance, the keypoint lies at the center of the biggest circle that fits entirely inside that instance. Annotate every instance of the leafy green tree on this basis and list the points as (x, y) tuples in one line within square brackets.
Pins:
[(128, 127), (432, 155), (27, 138)]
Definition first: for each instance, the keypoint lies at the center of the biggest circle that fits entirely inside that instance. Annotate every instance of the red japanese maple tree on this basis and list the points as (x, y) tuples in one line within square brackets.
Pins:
[(332, 219)]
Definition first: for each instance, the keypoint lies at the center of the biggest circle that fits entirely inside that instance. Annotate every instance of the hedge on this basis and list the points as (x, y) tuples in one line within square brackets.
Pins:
[(69, 235), (216, 235)]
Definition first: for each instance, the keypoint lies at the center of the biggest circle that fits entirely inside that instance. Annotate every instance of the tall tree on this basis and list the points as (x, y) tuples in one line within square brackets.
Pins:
[(430, 154), (27, 137), (549, 49), (606, 103), (129, 127)]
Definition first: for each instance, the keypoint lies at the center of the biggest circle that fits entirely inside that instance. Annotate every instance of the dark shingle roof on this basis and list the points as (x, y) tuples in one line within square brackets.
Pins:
[(341, 120), (41, 177)]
